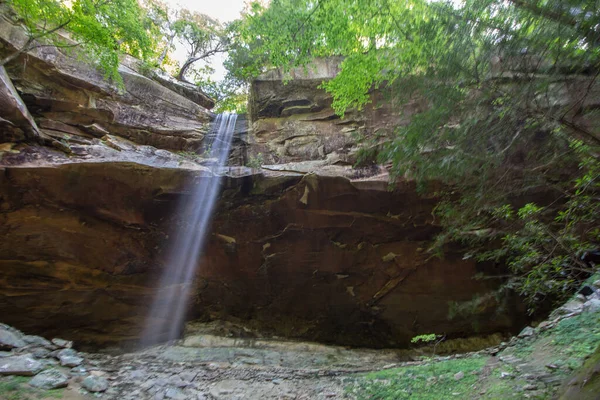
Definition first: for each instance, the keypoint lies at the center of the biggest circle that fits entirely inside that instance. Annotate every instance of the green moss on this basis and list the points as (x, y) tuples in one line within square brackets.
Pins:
[(585, 383), (432, 381), (17, 388)]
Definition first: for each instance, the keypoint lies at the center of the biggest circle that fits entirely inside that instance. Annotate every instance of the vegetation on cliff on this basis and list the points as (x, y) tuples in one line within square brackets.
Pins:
[(510, 123), (104, 29)]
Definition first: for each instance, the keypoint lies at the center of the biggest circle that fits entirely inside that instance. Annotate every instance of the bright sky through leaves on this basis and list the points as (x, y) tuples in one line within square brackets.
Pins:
[(223, 10)]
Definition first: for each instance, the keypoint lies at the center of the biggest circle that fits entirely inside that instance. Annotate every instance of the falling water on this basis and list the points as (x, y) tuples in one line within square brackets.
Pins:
[(168, 310)]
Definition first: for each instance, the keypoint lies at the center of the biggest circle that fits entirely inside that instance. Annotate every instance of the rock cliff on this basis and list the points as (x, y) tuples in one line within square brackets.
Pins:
[(305, 247)]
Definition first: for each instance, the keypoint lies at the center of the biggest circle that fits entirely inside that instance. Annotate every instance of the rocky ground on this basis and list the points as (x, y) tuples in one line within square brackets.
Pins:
[(212, 363)]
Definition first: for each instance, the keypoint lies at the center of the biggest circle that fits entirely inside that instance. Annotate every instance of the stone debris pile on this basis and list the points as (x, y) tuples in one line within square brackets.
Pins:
[(51, 364)]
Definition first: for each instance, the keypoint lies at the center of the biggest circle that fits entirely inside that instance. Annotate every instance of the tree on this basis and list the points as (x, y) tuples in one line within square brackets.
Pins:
[(495, 76), (202, 36), (103, 29), (163, 17)]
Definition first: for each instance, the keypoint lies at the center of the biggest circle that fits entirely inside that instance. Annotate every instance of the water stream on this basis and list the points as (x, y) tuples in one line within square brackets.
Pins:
[(168, 310)]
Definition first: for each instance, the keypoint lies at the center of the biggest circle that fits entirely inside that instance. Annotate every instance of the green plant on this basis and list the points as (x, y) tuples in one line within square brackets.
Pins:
[(424, 382), (256, 161), (424, 338)]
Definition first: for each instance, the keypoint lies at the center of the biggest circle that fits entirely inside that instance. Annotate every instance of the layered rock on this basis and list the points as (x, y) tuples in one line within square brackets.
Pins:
[(292, 118), (69, 97), (327, 256)]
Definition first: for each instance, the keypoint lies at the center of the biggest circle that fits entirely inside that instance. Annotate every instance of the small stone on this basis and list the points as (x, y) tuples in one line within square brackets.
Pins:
[(276, 381), (597, 284), (544, 325), (530, 387), (188, 377), (527, 332), (580, 297), (37, 340), (95, 383), (40, 352), (24, 365), (10, 339), (459, 375), (66, 352), (148, 384), (70, 361), (78, 371), (506, 375), (65, 344), (49, 379), (175, 394), (137, 375), (552, 366)]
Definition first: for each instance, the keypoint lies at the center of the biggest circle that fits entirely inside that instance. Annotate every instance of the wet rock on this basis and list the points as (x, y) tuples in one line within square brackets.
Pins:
[(49, 379), (23, 365), (10, 339), (65, 344), (459, 375), (94, 384)]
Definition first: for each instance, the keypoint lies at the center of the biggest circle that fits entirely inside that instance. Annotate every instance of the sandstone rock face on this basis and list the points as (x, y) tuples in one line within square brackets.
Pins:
[(324, 255), (69, 97), (293, 120), (309, 249)]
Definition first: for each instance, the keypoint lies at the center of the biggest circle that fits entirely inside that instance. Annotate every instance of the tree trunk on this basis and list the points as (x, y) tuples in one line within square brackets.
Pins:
[(163, 55)]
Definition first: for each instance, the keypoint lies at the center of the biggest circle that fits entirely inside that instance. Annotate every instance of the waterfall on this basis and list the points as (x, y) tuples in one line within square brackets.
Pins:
[(167, 313)]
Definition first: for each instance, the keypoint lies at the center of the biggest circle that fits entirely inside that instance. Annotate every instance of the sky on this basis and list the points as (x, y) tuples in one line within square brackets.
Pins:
[(223, 10)]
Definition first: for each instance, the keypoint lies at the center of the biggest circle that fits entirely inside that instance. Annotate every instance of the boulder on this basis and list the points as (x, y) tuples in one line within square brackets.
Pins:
[(10, 338), (94, 384), (37, 340), (23, 365), (50, 379)]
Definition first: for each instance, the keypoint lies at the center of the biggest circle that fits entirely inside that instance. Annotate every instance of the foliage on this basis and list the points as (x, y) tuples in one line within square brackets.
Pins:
[(16, 388), (424, 338), (104, 29), (229, 96), (256, 161), (433, 381), (494, 131), (202, 36)]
